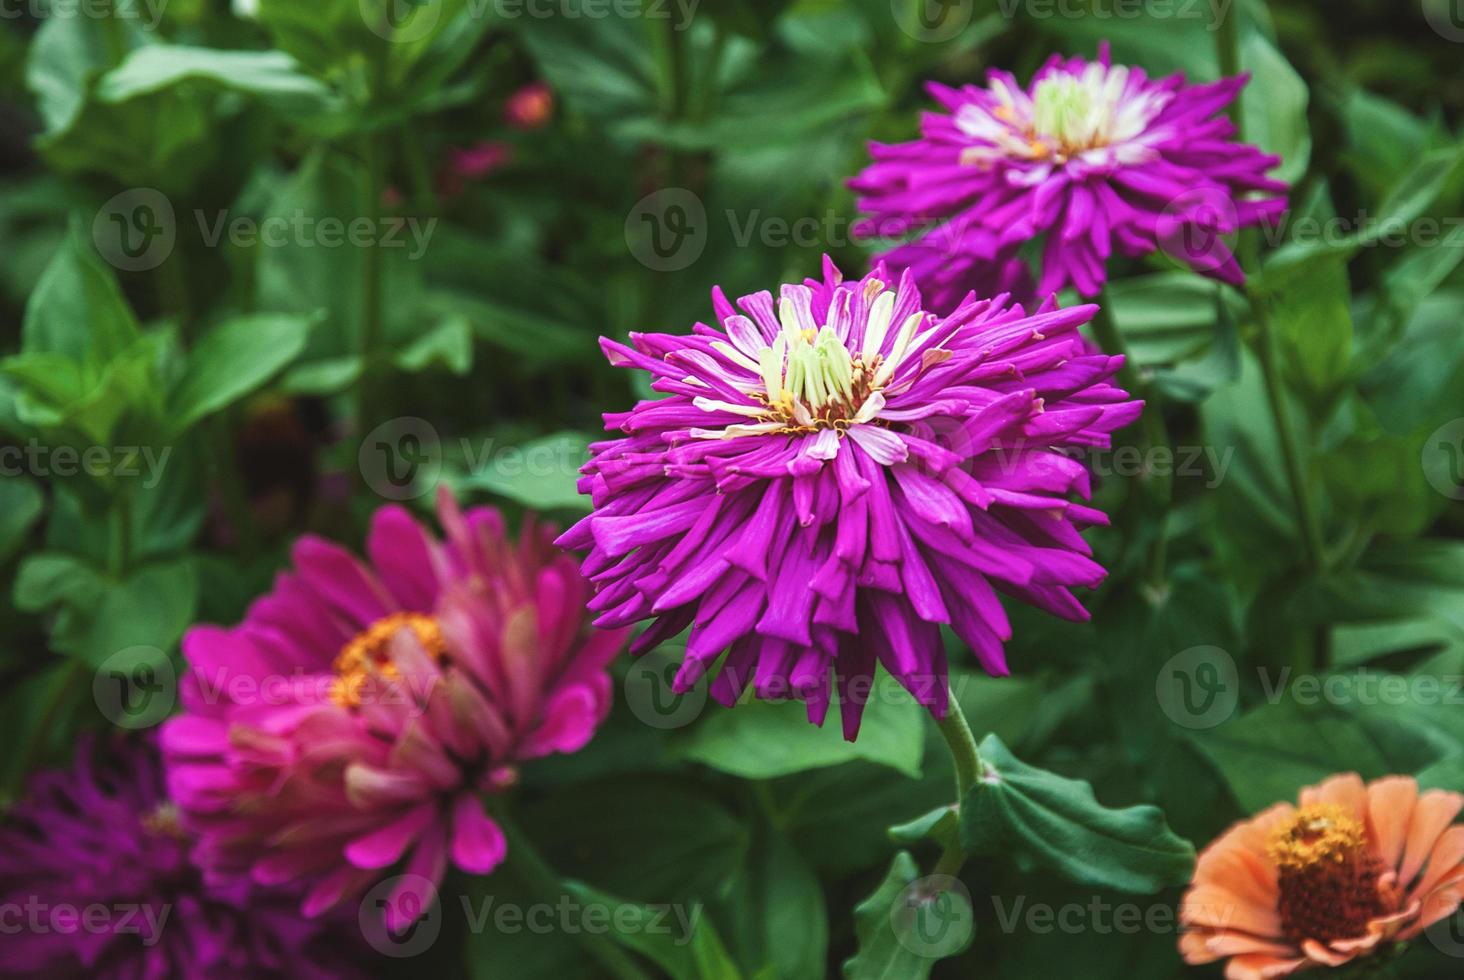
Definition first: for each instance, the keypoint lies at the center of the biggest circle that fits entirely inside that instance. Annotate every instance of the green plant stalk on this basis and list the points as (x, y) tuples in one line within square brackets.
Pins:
[(962, 744), (371, 327), (967, 758), (1154, 432), (535, 873), (1248, 255)]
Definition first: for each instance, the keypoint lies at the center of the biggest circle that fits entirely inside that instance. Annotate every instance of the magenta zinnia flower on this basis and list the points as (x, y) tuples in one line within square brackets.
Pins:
[(1092, 157), (831, 479), (359, 713), (96, 881)]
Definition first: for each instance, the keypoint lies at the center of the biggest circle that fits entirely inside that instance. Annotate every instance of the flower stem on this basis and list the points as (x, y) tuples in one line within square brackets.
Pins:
[(371, 285), (541, 879), (962, 744)]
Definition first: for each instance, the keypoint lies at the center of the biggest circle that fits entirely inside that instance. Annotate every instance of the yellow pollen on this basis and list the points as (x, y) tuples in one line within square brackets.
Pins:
[(1322, 833), (163, 821), (368, 656)]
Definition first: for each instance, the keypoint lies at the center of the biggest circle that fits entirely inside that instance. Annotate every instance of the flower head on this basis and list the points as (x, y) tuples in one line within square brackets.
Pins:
[(358, 714), (102, 840), (1350, 872), (530, 107), (833, 476), (1092, 157)]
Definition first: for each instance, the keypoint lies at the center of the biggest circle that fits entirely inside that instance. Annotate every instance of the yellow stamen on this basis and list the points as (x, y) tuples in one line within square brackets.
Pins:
[(368, 654)]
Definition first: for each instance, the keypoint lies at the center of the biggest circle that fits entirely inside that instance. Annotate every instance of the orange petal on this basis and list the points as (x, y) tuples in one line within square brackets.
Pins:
[(1389, 813), (1447, 856), (1316, 952), (1346, 790), (1434, 811), (1217, 908), (1260, 966), (1218, 945), (1440, 905)]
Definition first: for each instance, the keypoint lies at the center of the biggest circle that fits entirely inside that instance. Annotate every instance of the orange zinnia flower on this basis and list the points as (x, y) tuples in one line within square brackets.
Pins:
[(1353, 869)]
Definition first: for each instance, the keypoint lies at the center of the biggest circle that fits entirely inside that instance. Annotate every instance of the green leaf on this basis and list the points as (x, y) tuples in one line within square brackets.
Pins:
[(1273, 107), (271, 76), (77, 309), (448, 345), (20, 507), (779, 924), (764, 739), (698, 956), (1268, 754), (1058, 824), (96, 615), (943, 921), (1308, 298), (234, 359), (542, 474), (651, 839)]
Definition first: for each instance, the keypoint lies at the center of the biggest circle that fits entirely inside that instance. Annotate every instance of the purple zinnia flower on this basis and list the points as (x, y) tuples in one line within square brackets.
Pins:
[(832, 477), (95, 881), (1093, 157)]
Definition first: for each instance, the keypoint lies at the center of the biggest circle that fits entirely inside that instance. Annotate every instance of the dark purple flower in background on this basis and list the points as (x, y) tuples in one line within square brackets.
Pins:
[(833, 476), (1093, 158), (95, 881)]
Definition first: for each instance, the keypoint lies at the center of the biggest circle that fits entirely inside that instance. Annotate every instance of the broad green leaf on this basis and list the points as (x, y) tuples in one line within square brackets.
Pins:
[(1307, 298), (97, 616), (271, 76), (763, 739), (1268, 754), (778, 923), (651, 839), (659, 937), (1059, 825), (902, 930), (1273, 107), (77, 310), (540, 474), (234, 359)]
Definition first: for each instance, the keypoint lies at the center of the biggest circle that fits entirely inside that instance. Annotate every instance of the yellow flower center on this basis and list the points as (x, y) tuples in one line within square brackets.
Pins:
[(367, 657)]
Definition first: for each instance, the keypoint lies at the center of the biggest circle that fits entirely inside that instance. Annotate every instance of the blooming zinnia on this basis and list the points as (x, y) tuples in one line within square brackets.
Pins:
[(360, 712), (95, 881), (1092, 157), (1350, 872), (833, 476)]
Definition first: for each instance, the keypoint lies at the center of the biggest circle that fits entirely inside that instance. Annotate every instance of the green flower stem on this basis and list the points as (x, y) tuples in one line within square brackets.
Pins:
[(1154, 432), (371, 285), (531, 868), (967, 758), (1248, 255), (962, 744)]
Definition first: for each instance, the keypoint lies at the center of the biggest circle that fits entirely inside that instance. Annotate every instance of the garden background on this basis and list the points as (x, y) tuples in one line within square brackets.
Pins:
[(267, 268)]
